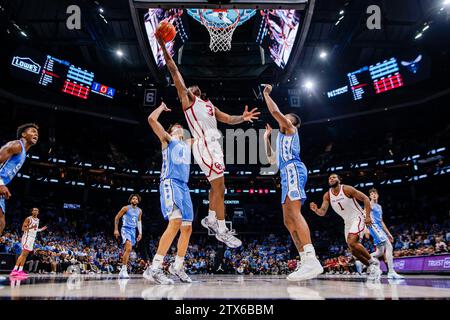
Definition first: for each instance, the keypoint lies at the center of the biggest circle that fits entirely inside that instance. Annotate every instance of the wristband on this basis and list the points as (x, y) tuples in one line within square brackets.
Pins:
[(1, 182)]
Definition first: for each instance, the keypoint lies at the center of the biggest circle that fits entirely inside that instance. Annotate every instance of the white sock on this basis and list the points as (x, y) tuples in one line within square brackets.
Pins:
[(309, 251), (372, 260), (178, 263), (222, 226), (16, 268), (20, 268), (157, 261), (211, 215), (389, 257)]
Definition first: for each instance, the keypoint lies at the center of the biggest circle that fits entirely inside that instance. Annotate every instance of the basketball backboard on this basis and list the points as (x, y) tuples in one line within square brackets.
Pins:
[(263, 37), (241, 4)]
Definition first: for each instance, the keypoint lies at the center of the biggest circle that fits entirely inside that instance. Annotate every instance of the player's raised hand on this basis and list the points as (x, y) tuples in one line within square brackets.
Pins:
[(267, 89), (313, 207), (159, 39), (268, 131), (250, 115), (4, 192), (164, 107)]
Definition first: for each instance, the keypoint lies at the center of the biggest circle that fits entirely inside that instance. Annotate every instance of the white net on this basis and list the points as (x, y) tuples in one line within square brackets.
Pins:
[(220, 31)]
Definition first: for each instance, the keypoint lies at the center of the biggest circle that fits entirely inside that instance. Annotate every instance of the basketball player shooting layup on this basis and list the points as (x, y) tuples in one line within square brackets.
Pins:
[(30, 228), (293, 179), (12, 157), (202, 117), (131, 219), (176, 203), (343, 201)]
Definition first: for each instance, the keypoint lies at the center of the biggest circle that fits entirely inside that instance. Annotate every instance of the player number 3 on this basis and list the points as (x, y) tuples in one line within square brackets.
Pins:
[(210, 110)]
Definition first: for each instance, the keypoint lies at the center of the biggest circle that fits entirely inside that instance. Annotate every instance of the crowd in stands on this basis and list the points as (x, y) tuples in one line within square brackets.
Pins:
[(60, 250)]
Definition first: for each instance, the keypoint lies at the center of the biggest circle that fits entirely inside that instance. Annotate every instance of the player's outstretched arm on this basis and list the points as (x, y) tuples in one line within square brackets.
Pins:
[(117, 219), (358, 195), (283, 122), (267, 145), (156, 126), (183, 93), (233, 120), (323, 208)]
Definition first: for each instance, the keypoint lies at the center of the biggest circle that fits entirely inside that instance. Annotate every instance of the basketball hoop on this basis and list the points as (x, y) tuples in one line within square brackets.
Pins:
[(221, 28)]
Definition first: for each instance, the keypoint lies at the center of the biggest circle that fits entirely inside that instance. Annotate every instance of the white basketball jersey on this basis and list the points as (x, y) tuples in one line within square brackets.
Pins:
[(201, 118), (344, 206), (35, 225)]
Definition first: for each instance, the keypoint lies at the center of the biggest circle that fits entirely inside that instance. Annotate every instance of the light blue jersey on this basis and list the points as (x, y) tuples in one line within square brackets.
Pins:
[(130, 218), (293, 171), (174, 189), (377, 213), (9, 169), (129, 224), (376, 230), (176, 161), (288, 149)]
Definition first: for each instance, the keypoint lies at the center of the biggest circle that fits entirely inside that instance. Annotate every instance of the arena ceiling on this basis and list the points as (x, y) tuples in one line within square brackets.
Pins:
[(349, 43)]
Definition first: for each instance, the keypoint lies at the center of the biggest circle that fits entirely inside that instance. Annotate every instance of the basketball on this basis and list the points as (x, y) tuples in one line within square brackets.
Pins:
[(166, 30)]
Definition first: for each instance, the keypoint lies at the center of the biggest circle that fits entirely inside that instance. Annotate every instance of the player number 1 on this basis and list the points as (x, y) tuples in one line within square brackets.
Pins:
[(340, 206)]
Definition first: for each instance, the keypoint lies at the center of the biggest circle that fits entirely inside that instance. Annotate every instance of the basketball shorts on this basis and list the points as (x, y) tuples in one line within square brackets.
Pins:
[(175, 195), (128, 234), (3, 204), (378, 234), (28, 243), (209, 157), (355, 225), (293, 180)]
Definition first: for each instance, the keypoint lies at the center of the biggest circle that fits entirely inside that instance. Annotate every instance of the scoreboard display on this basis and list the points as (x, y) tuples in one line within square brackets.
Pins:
[(56, 74), (383, 76)]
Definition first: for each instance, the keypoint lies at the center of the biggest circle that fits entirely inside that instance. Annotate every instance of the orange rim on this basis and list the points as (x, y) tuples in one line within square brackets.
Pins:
[(206, 24)]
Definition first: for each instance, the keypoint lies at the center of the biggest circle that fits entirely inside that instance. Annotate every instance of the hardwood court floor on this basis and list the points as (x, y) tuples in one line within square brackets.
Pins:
[(74, 287)]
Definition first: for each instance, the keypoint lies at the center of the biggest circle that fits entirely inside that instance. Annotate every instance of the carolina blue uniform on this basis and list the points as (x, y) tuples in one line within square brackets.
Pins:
[(173, 187), (9, 170), (293, 171), (377, 232), (129, 224)]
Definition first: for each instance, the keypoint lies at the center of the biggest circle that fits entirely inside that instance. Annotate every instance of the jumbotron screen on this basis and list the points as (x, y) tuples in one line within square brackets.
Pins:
[(383, 76), (276, 30), (56, 74)]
